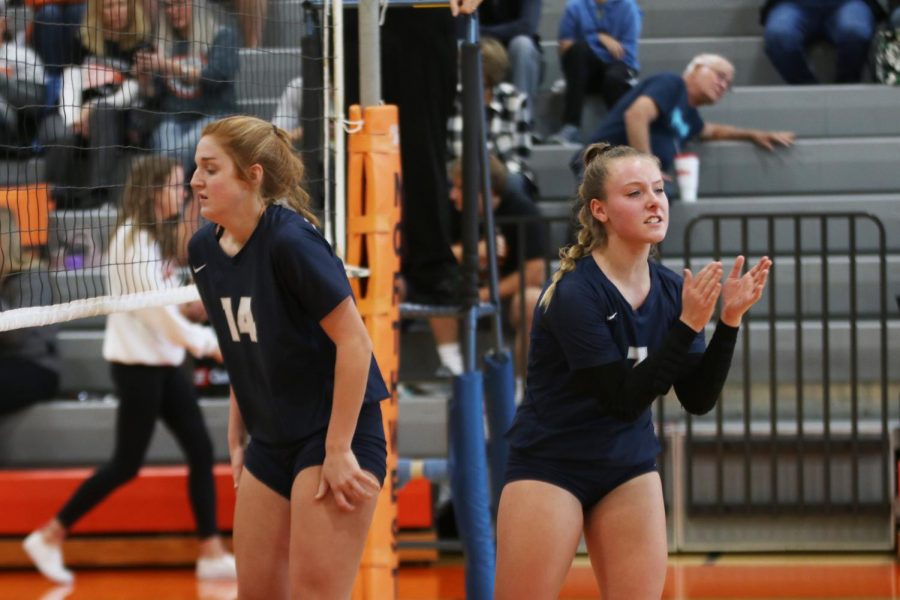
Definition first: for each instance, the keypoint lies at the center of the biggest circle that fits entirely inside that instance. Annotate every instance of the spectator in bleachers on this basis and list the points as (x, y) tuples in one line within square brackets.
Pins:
[(513, 274), (660, 115), (54, 36), (29, 362), (507, 120), (146, 348), (598, 48), (22, 91), (515, 24), (193, 70), (419, 71), (288, 112), (895, 15), (791, 25), (85, 140)]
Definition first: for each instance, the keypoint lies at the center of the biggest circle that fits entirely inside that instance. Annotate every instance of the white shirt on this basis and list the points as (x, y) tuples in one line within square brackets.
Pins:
[(149, 336)]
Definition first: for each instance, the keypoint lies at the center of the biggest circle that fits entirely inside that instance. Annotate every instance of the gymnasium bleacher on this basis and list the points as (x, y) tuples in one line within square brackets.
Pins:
[(847, 158)]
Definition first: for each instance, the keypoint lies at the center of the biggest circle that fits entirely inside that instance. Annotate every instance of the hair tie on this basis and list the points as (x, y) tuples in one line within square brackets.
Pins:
[(274, 129)]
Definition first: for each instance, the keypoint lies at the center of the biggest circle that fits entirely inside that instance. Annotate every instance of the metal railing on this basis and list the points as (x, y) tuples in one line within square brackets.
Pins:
[(791, 455)]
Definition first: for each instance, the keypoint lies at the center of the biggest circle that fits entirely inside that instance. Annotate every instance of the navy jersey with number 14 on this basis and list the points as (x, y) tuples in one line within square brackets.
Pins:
[(265, 304)]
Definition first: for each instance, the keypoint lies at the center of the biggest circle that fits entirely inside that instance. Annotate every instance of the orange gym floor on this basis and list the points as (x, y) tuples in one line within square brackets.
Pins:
[(845, 577)]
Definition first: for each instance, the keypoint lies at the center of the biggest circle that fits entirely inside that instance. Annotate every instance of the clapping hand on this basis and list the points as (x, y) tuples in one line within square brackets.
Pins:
[(740, 292), (699, 295)]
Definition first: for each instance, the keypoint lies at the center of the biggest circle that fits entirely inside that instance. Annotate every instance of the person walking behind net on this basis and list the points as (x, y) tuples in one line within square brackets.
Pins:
[(145, 348), (305, 385), (613, 331)]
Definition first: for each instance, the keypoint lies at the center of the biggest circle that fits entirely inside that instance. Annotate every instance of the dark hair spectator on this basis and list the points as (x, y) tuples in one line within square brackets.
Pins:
[(515, 24), (598, 48), (29, 363), (508, 120), (659, 115), (193, 76), (790, 27)]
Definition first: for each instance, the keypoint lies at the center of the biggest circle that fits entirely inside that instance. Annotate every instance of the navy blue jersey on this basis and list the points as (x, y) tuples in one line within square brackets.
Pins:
[(265, 304), (677, 122), (588, 324)]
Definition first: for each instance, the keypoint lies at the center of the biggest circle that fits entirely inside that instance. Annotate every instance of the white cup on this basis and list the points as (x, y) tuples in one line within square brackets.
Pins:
[(687, 172)]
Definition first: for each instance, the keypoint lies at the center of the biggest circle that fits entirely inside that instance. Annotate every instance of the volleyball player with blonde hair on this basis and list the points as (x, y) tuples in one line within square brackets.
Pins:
[(613, 331), (305, 385)]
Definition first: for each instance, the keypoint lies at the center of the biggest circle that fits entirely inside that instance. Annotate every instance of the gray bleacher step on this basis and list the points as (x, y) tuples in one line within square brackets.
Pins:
[(881, 206), (82, 368), (820, 111), (826, 166), (752, 66), (685, 18), (265, 72), (264, 108), (15, 173), (808, 111), (284, 24), (69, 433)]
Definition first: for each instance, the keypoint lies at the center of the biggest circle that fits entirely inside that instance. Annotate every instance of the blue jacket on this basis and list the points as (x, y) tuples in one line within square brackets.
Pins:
[(621, 19)]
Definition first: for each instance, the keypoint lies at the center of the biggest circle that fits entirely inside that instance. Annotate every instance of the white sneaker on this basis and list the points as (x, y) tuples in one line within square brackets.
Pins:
[(47, 558), (222, 567)]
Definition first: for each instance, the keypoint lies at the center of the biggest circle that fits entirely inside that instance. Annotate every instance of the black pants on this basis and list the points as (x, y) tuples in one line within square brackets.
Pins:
[(24, 383), (145, 394), (418, 68), (83, 167), (586, 73)]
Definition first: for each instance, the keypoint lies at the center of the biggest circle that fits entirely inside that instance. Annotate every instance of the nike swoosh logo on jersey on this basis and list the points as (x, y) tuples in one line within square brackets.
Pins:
[(200, 268), (609, 318)]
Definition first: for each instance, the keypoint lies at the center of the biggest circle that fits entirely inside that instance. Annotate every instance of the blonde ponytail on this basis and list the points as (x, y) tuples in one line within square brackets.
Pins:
[(249, 141), (590, 232)]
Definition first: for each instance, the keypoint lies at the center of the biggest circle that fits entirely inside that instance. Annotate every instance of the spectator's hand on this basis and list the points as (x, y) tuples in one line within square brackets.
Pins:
[(151, 62), (502, 248), (216, 355), (82, 126), (349, 484), (484, 294), (194, 311), (699, 295), (769, 139), (741, 292), (466, 7), (612, 45), (295, 134)]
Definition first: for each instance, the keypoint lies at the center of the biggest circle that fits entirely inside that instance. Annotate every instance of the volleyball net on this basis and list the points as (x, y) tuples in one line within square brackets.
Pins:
[(98, 91)]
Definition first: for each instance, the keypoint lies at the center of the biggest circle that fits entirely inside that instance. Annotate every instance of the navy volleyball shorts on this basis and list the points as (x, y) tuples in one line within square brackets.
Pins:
[(278, 466), (587, 480)]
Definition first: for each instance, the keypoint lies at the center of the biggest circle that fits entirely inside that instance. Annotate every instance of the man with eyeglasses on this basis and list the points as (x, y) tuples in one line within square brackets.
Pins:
[(660, 115)]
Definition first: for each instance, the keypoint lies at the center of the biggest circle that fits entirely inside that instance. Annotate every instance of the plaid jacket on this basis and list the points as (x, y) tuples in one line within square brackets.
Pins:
[(509, 128)]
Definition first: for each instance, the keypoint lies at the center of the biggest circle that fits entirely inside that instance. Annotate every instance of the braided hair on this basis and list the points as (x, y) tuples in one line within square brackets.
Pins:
[(590, 232)]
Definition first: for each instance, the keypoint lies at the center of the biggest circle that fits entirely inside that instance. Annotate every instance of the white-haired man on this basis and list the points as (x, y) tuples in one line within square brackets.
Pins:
[(660, 115)]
